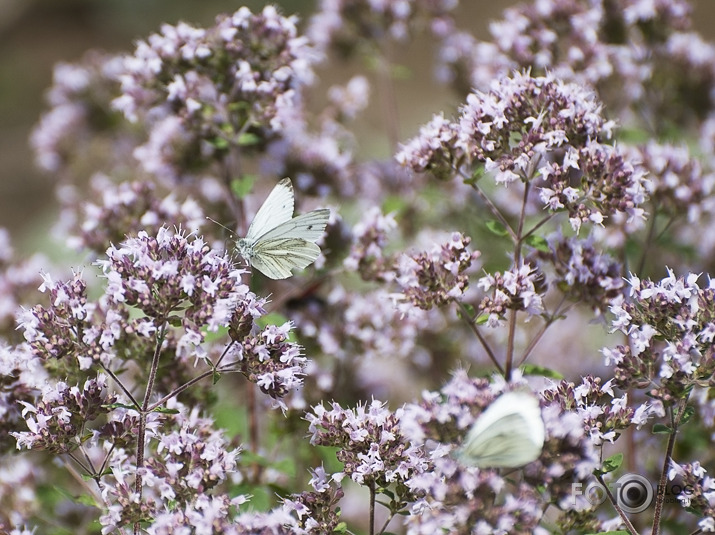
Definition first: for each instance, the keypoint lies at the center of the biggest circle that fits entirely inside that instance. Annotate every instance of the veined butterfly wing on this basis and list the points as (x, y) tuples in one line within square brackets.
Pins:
[(275, 258), (508, 434), (276, 209), (308, 227)]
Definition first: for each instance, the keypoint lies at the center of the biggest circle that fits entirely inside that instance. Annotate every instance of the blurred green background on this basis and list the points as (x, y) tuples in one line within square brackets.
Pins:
[(35, 34)]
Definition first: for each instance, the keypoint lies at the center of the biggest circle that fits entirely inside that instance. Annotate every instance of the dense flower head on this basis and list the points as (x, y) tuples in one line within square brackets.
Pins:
[(316, 510), (516, 289), (439, 276), (670, 326), (536, 130), (604, 415), (80, 113), (434, 149), (582, 272), (370, 445), (52, 332), (270, 360), (191, 459), (127, 208), (204, 90), (57, 422), (158, 275)]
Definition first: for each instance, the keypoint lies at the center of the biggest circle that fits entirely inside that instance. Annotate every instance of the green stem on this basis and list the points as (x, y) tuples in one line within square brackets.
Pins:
[(470, 321), (631, 529), (141, 434), (372, 507), (660, 496)]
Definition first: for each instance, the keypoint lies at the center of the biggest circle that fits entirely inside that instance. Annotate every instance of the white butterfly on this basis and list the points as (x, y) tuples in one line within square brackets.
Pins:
[(277, 242), (508, 434)]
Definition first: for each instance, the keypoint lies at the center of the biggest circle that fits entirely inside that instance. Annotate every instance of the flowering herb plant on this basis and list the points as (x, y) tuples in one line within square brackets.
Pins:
[(521, 242)]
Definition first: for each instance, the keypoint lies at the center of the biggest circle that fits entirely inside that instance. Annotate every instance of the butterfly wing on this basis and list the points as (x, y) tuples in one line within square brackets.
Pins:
[(506, 443), (276, 257), (276, 209), (308, 227), (509, 433)]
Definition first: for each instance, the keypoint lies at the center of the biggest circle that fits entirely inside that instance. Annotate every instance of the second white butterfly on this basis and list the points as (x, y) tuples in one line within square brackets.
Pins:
[(508, 434), (277, 242)]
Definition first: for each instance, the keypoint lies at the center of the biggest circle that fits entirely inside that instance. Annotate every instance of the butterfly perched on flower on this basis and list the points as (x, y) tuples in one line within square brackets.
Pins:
[(508, 434), (277, 242)]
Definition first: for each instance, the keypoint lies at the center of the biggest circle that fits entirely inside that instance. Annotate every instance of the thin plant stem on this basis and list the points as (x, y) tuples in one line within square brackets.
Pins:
[(141, 434), (510, 346), (495, 211), (660, 496), (384, 526), (178, 390), (121, 385), (78, 461), (536, 227), (629, 526), (517, 263), (547, 323), (224, 353), (371, 486), (470, 321)]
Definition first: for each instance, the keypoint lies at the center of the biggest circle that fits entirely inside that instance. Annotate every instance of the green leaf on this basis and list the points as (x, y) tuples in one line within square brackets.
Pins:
[(687, 414), (662, 429), (220, 143), (386, 492), (611, 464), (247, 139), (542, 371), (342, 527), (538, 243), (477, 174), (482, 319), (215, 377), (241, 187), (165, 410), (468, 308), (120, 406), (497, 228)]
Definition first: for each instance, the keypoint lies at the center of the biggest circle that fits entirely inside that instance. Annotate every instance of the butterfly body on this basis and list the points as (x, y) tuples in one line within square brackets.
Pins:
[(277, 242)]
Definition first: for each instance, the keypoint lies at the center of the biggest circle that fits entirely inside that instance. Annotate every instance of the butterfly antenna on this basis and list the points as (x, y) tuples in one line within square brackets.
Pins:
[(220, 225)]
